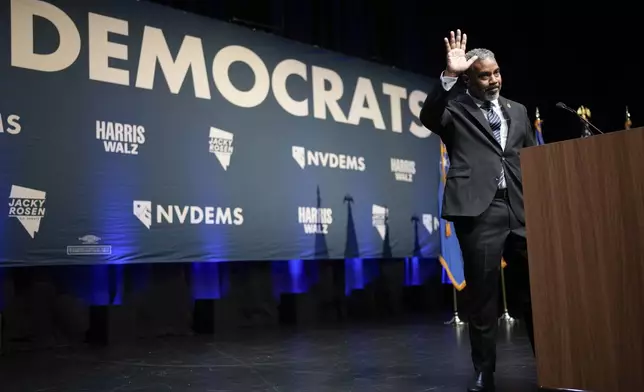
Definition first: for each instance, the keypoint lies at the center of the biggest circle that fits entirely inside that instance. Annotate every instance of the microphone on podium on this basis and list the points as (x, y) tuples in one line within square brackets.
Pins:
[(563, 106)]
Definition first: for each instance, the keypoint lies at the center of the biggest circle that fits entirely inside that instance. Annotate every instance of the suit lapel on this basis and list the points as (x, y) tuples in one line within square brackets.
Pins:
[(511, 117), (471, 107)]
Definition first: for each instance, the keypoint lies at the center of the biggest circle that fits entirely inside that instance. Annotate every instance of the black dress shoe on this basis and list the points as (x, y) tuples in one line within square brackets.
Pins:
[(484, 382)]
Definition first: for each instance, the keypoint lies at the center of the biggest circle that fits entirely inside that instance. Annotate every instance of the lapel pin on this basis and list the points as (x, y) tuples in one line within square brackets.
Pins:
[(509, 105)]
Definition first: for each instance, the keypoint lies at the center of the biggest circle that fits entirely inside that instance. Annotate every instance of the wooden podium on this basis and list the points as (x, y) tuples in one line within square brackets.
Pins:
[(584, 203)]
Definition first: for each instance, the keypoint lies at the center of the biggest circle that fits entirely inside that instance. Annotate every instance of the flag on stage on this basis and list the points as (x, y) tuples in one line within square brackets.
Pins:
[(537, 128), (628, 123), (450, 257), (584, 113)]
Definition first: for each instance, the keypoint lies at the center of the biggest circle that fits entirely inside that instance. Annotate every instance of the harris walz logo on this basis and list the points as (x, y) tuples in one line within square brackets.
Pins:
[(403, 169), (315, 220), (120, 138), (89, 247)]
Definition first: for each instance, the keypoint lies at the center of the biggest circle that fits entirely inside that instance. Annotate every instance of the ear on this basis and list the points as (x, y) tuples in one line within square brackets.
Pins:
[(466, 78)]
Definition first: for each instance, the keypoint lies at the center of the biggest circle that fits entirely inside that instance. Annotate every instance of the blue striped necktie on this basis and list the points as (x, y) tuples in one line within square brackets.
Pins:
[(495, 124)]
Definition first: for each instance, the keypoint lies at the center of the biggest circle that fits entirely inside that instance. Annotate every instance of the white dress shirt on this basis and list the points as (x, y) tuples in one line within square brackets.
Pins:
[(448, 82)]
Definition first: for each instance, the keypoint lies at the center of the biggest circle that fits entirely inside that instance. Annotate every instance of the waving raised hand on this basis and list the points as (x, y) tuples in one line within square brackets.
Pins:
[(456, 61)]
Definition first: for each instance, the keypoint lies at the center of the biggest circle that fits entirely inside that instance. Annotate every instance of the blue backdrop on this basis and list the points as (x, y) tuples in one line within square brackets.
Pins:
[(131, 132)]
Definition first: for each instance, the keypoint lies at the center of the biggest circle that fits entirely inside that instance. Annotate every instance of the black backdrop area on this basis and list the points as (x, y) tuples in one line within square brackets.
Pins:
[(548, 51)]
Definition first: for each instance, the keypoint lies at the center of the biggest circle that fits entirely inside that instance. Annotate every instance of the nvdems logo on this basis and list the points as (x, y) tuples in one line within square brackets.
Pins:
[(192, 215), (305, 158), (120, 138), (315, 220), (221, 145), (143, 211), (28, 207)]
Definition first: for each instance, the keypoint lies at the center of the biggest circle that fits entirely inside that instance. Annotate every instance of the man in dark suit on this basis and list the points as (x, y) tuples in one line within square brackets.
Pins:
[(483, 133)]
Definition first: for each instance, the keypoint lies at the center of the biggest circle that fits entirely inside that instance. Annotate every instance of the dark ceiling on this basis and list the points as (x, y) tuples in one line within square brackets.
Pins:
[(547, 53)]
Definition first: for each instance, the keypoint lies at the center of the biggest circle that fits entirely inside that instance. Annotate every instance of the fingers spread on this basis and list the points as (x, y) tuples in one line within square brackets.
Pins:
[(447, 45)]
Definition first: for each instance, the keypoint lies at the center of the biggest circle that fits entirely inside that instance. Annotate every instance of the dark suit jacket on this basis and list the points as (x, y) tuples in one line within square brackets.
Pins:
[(475, 156)]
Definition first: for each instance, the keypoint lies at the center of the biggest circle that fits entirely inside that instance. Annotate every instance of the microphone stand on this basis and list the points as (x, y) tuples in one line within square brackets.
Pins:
[(583, 120)]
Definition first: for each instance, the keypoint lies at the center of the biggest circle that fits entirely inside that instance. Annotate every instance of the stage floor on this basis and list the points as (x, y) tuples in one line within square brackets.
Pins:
[(412, 356)]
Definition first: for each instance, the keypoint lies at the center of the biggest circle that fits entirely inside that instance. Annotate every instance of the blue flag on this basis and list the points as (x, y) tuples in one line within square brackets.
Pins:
[(537, 129), (450, 256)]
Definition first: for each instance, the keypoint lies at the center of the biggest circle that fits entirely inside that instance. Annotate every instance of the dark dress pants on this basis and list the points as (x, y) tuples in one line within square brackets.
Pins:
[(484, 240)]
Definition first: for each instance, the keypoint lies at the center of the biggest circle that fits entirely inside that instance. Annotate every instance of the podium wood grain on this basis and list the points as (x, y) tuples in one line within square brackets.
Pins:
[(584, 203)]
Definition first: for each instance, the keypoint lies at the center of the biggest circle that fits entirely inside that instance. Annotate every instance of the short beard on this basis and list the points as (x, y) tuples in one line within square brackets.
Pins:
[(491, 96)]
